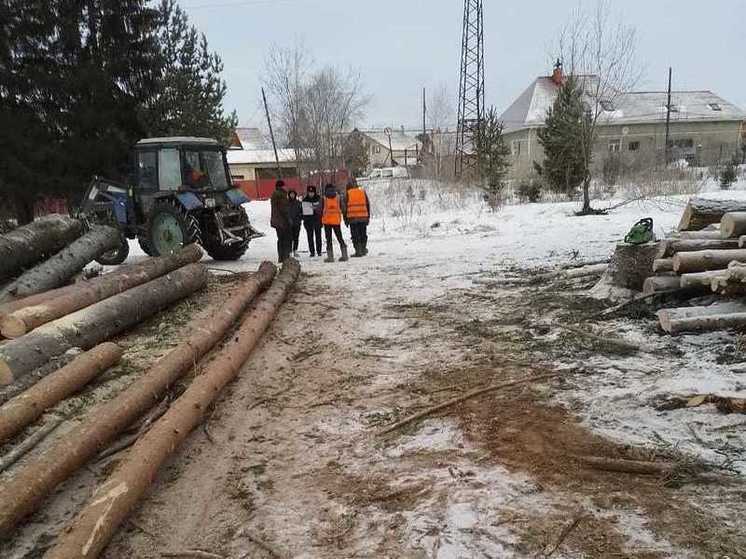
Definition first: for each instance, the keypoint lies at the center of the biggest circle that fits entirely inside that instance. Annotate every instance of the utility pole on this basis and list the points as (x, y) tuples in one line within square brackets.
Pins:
[(424, 118), (272, 135), (668, 118)]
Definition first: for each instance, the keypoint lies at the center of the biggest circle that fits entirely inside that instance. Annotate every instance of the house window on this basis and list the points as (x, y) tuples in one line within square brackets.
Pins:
[(615, 146), (685, 143), (607, 105), (633, 146), (237, 177), (376, 149), (715, 106), (515, 148)]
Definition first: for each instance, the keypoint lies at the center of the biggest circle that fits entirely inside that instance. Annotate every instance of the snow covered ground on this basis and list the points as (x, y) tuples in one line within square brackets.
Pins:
[(418, 321)]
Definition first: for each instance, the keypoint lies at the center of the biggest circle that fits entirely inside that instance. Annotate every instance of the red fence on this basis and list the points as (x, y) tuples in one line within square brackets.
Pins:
[(262, 189)]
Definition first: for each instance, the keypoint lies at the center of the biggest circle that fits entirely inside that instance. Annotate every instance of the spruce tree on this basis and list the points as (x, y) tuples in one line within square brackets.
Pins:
[(565, 166), (191, 89), (492, 156)]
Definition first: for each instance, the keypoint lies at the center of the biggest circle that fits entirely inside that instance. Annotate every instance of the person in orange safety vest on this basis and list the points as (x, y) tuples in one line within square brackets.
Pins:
[(357, 217), (331, 219)]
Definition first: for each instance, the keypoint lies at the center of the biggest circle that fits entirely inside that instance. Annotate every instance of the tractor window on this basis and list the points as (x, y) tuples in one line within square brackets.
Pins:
[(204, 169), (146, 170), (169, 169)]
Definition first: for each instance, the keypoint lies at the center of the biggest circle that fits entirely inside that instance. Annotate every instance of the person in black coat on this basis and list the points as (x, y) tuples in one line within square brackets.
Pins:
[(280, 220), (312, 220), (295, 212)]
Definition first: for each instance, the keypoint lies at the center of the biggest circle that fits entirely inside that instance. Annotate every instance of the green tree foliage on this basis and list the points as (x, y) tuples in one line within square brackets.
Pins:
[(80, 82), (566, 165), (191, 90), (73, 77), (493, 157), (355, 153)]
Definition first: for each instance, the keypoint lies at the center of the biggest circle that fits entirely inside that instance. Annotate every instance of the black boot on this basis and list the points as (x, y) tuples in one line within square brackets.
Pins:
[(358, 251), (344, 257), (329, 255)]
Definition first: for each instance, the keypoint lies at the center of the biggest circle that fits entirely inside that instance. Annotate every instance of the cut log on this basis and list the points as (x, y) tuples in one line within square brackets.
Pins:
[(25, 408), (669, 247), (731, 282), (663, 265), (35, 480), (742, 241), (115, 498), (700, 279), (701, 234), (656, 284), (60, 268), (702, 261), (701, 212), (584, 271), (719, 316), (92, 325), (86, 293), (27, 245), (733, 225)]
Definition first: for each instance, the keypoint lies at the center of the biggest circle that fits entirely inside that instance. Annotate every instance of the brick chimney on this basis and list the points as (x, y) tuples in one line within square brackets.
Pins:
[(558, 77)]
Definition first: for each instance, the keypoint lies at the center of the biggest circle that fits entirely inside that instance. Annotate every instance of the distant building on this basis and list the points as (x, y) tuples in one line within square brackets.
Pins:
[(404, 148), (255, 170), (248, 139), (704, 128)]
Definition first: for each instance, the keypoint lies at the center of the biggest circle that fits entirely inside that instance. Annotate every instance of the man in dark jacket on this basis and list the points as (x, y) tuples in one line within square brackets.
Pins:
[(295, 212), (280, 220), (312, 220)]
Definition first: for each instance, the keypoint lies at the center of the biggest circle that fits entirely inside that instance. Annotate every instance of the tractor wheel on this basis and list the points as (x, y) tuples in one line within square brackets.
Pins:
[(145, 245), (170, 227), (228, 252), (116, 256)]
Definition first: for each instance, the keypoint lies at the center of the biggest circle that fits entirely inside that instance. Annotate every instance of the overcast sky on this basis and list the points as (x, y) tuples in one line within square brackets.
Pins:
[(400, 46)]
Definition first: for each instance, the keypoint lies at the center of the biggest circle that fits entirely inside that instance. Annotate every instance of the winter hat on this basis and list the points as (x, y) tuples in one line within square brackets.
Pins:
[(280, 183), (330, 191), (311, 188)]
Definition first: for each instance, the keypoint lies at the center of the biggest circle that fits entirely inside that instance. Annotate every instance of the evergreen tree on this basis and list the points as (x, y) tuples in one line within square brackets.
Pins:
[(355, 153), (566, 165), (73, 76), (493, 157), (191, 90)]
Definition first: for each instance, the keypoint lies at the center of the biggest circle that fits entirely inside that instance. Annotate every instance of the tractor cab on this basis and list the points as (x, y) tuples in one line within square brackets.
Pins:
[(180, 164), (179, 192)]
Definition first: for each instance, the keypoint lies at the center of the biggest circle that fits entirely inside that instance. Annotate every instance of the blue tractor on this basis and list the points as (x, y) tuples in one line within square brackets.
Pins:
[(179, 192)]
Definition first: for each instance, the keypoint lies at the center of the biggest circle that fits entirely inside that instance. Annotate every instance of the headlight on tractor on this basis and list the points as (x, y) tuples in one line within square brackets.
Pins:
[(210, 202)]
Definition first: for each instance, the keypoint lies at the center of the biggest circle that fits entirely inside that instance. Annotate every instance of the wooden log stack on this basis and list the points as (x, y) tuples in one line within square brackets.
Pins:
[(706, 255)]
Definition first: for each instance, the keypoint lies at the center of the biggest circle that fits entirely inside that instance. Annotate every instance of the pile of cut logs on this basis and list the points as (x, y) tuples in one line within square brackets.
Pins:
[(707, 255), (44, 316)]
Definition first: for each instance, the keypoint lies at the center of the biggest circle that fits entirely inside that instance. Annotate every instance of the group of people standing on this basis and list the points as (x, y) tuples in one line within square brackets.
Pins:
[(314, 213)]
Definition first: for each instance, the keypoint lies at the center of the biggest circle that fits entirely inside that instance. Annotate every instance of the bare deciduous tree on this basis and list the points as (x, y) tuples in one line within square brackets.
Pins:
[(600, 50), (315, 107), (441, 115)]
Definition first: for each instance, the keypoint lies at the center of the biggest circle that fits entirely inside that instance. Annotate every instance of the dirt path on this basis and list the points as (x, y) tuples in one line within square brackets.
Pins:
[(291, 466)]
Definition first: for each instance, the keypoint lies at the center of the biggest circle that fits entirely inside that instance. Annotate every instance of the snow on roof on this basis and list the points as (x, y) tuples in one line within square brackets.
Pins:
[(530, 108), (400, 141), (178, 139), (251, 138), (258, 156)]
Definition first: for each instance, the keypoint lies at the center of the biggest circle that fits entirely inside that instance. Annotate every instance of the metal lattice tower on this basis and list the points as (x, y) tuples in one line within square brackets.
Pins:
[(471, 86)]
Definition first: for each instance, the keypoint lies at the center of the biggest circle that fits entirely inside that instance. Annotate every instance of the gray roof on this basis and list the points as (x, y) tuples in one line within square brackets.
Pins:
[(252, 138), (530, 109), (400, 141), (178, 139), (259, 156)]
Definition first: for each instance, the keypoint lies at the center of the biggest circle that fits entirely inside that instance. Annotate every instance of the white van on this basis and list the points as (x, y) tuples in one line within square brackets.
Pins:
[(399, 172)]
